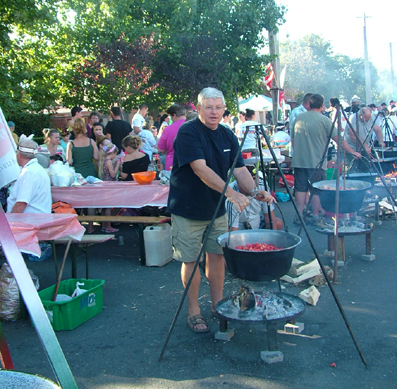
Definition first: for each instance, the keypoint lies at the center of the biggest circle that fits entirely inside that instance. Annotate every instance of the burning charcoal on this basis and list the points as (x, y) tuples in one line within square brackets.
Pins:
[(245, 298)]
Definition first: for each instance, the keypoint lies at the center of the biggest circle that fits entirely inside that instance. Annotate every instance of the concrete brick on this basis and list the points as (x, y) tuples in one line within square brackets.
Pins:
[(368, 258), (270, 357), (340, 263), (225, 336), (328, 253), (296, 328)]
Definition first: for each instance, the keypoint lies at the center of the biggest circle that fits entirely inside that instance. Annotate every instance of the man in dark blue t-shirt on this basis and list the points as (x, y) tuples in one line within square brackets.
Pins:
[(204, 152)]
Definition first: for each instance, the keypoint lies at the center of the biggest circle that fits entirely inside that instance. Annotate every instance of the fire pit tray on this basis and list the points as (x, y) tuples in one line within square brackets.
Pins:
[(342, 232), (350, 200), (271, 307), (258, 265)]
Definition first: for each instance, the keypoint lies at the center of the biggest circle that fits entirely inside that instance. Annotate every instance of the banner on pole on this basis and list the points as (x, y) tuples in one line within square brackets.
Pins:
[(269, 76), (9, 168), (282, 77), (281, 99)]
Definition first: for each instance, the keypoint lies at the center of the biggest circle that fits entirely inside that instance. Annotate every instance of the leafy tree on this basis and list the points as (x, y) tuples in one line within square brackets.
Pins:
[(27, 63), (313, 67), (217, 42), (47, 61), (117, 72)]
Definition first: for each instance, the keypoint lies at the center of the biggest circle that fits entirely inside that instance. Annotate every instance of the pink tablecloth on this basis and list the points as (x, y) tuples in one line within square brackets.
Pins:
[(110, 194), (30, 228)]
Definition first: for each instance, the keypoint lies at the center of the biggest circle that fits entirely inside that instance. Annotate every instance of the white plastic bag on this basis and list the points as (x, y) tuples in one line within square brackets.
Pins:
[(165, 177), (78, 179), (78, 291), (60, 174)]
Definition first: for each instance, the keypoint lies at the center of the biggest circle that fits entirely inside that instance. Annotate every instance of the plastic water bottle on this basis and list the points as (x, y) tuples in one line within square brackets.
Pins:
[(154, 164)]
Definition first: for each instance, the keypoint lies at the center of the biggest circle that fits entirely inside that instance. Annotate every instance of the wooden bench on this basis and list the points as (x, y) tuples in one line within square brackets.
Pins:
[(83, 244), (140, 221)]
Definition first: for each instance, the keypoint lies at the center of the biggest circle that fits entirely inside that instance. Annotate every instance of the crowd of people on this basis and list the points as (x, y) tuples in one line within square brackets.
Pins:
[(198, 145)]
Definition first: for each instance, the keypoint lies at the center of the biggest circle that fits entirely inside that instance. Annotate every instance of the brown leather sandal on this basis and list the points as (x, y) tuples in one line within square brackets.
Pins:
[(194, 321)]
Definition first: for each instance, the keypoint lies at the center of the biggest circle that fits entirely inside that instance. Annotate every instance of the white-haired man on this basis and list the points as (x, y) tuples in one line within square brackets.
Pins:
[(31, 192), (204, 151), (354, 106), (364, 124)]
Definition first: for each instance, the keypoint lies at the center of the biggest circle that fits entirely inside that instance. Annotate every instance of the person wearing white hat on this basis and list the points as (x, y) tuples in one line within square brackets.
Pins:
[(354, 105), (31, 192), (280, 138)]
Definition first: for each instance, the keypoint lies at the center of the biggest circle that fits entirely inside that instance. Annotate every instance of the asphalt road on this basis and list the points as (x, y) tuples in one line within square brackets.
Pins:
[(120, 347)]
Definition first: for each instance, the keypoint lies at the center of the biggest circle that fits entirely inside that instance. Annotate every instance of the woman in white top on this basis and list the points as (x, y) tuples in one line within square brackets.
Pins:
[(250, 142), (52, 144), (164, 122)]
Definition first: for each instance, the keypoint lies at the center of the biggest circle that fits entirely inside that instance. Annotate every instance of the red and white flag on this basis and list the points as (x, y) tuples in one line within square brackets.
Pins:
[(269, 75)]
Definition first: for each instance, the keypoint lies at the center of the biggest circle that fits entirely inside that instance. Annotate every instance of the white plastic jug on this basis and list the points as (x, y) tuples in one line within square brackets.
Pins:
[(158, 245)]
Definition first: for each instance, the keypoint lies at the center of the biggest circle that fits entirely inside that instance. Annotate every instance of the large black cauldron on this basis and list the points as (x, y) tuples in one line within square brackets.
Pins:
[(350, 200), (367, 177), (386, 164), (258, 265)]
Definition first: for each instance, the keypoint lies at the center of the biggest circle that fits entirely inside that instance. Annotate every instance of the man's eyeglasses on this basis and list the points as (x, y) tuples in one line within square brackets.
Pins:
[(217, 109)]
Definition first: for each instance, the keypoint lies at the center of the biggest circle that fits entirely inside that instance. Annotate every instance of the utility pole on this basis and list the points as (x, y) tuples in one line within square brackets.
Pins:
[(393, 88), (368, 92), (274, 50)]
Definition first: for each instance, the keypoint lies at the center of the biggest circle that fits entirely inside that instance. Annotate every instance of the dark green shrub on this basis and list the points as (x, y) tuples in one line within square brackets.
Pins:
[(31, 123)]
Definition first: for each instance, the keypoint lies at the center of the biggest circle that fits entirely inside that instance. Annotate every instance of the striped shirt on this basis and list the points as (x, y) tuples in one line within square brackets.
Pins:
[(251, 214)]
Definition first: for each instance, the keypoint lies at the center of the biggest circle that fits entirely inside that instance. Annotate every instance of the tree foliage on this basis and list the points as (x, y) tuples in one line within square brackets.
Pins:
[(118, 72), (313, 67), (69, 51), (27, 62)]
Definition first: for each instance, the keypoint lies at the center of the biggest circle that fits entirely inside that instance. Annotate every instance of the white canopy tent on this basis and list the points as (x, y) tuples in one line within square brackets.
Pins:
[(257, 103), (260, 104)]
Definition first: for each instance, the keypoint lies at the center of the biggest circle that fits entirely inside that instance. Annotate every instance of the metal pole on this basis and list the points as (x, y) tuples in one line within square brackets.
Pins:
[(368, 91), (316, 254), (35, 307), (393, 88), (274, 51)]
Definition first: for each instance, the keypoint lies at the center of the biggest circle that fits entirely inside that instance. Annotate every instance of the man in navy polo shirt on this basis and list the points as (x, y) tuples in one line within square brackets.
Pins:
[(204, 153)]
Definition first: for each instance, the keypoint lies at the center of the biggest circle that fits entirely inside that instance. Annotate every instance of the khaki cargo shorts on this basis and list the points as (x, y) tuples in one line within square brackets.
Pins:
[(188, 235)]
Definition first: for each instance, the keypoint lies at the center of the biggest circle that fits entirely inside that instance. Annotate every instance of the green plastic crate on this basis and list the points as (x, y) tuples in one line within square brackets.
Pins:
[(67, 315)]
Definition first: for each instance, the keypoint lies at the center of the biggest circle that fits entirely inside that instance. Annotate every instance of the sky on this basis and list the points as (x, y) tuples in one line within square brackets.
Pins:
[(341, 22)]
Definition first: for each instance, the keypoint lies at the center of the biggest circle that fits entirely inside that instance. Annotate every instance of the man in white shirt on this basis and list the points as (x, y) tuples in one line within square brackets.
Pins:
[(148, 140), (305, 106), (31, 192)]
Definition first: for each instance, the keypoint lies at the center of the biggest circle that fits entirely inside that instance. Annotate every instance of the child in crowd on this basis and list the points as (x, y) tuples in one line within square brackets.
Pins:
[(65, 135), (108, 171), (98, 129), (54, 158)]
